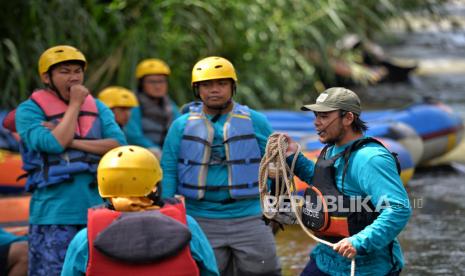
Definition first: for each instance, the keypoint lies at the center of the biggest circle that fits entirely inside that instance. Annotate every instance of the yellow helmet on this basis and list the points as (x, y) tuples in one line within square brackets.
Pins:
[(58, 54), (117, 96), (128, 171), (152, 66), (212, 68)]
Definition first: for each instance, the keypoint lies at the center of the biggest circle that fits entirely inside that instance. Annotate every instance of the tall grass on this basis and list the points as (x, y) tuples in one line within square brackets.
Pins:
[(269, 41)]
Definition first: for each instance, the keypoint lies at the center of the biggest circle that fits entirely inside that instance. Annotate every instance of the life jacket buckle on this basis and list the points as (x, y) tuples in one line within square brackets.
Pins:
[(65, 157), (216, 160)]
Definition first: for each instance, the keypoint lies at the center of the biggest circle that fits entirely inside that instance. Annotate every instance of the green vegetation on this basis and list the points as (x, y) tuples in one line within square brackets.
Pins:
[(281, 48)]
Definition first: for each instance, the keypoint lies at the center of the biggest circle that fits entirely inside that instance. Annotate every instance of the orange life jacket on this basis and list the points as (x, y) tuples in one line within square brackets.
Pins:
[(334, 224)]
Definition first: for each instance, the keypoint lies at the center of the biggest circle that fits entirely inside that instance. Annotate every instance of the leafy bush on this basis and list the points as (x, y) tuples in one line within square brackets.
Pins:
[(270, 42)]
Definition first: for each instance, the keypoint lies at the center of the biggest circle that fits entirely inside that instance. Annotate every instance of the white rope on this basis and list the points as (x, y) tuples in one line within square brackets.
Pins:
[(275, 155)]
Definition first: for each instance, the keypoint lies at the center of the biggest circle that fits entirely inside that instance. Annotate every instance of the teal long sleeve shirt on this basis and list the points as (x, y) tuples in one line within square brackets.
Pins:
[(8, 238), (64, 203), (77, 255), (134, 132), (372, 172), (217, 175)]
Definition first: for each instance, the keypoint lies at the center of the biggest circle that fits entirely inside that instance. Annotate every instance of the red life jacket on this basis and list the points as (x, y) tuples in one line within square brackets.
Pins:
[(54, 109), (99, 264)]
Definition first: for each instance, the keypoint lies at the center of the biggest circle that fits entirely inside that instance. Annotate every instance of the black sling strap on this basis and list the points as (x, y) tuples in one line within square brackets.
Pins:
[(359, 144)]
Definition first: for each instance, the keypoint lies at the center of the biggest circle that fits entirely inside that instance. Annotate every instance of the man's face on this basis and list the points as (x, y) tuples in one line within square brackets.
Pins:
[(155, 85), (215, 93), (122, 115), (63, 76), (329, 127)]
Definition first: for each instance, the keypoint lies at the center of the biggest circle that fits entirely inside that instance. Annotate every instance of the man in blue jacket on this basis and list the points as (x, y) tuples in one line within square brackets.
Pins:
[(137, 232), (352, 165), (211, 156), (149, 122), (64, 131)]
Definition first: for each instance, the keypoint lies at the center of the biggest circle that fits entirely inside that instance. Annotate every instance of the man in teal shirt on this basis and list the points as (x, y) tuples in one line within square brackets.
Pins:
[(211, 156), (63, 131), (128, 178), (370, 173), (149, 122)]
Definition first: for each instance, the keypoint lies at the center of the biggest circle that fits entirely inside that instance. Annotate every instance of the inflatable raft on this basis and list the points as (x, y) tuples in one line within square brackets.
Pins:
[(10, 171), (426, 130), (10, 161), (440, 129), (418, 134), (14, 217), (407, 165)]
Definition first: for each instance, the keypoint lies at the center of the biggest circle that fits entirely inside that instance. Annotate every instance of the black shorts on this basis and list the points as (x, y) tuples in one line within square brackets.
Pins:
[(4, 249)]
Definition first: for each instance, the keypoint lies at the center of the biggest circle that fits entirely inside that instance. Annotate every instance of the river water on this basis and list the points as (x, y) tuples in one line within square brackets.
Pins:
[(433, 241)]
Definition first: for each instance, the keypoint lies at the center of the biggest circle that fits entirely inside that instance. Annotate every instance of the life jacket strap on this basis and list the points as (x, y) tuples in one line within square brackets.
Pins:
[(240, 137), (220, 162), (191, 162), (220, 188), (156, 131), (196, 139), (224, 201), (243, 161), (24, 175), (85, 159), (356, 146)]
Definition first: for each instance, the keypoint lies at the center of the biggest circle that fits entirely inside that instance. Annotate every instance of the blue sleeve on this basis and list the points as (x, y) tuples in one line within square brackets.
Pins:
[(169, 157), (304, 168), (201, 249), (77, 255), (8, 238), (262, 129), (175, 110), (29, 118), (379, 179), (110, 129), (134, 132)]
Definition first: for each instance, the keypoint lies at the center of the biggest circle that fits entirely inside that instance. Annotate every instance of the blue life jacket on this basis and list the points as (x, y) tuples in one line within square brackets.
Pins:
[(242, 155), (45, 169)]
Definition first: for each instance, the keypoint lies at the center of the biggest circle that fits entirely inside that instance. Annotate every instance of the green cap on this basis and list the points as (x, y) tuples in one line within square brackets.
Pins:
[(335, 98)]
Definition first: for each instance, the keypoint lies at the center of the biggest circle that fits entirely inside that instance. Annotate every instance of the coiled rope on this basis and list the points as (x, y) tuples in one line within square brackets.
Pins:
[(275, 156)]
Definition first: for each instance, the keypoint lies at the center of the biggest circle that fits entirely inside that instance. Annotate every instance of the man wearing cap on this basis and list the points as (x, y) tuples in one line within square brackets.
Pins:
[(360, 167)]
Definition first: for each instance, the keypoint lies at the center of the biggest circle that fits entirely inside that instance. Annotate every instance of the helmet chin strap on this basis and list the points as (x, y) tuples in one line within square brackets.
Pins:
[(219, 109), (52, 87)]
